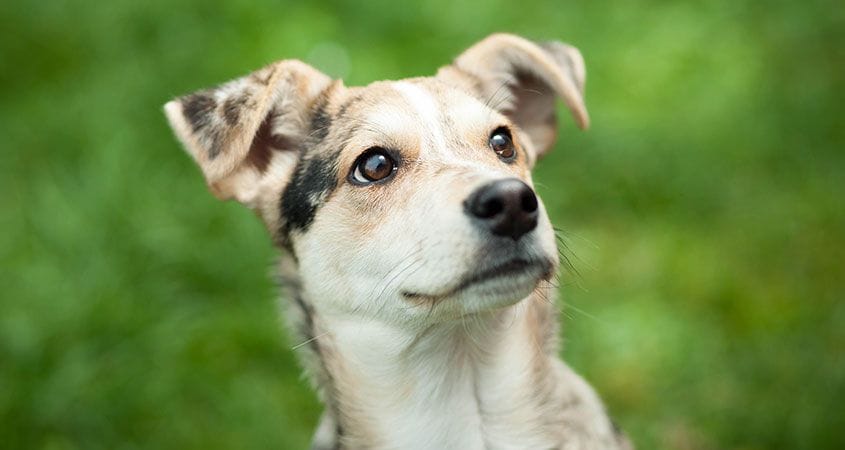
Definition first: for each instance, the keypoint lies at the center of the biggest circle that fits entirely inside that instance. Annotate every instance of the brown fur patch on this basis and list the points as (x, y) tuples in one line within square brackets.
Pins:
[(265, 143)]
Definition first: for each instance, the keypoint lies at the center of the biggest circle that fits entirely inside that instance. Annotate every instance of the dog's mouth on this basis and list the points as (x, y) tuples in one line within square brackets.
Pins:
[(517, 270)]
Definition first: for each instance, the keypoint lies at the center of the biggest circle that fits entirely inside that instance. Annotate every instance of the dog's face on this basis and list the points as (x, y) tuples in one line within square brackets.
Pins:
[(407, 201)]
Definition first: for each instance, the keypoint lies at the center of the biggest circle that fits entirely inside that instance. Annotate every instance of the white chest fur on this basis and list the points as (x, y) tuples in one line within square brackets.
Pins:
[(482, 383)]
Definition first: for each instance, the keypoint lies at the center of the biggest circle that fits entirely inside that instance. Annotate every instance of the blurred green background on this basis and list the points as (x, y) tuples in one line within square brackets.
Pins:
[(704, 211)]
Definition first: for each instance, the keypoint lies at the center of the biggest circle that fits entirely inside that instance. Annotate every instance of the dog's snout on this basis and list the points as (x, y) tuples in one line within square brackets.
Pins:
[(505, 207)]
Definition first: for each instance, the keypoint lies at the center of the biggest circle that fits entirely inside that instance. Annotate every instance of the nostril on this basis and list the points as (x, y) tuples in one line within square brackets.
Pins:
[(504, 207), (490, 207), (529, 201)]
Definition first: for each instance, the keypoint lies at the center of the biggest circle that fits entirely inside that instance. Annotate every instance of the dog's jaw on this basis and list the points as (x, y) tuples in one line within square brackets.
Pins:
[(489, 380)]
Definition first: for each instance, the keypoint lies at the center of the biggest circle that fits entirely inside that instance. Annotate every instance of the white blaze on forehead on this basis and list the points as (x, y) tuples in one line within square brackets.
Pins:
[(388, 120), (427, 112)]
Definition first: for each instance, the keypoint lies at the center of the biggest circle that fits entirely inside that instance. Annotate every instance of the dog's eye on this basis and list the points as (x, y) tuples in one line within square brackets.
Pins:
[(502, 143), (373, 165)]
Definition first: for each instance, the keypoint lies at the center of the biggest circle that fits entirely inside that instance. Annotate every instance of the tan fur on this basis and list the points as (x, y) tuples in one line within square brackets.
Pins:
[(401, 357)]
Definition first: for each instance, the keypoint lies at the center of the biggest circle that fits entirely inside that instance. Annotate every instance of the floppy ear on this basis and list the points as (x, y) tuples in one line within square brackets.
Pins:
[(521, 79), (245, 134)]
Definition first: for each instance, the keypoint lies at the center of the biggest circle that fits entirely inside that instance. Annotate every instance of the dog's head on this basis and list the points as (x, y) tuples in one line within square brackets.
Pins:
[(402, 200)]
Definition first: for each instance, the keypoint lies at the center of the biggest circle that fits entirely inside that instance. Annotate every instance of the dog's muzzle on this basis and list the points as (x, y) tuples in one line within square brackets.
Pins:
[(505, 208)]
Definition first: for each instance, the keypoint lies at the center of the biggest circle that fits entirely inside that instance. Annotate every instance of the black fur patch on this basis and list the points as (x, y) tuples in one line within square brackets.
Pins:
[(313, 179), (199, 110), (232, 108)]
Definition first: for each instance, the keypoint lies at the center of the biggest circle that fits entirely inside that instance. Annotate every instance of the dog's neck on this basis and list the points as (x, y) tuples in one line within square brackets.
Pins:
[(463, 384)]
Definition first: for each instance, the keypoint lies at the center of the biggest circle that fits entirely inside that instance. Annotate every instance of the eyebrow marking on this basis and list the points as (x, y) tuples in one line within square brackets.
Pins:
[(427, 111)]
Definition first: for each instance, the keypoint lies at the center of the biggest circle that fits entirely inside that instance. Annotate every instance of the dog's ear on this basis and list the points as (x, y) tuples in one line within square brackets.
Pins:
[(521, 79), (245, 134)]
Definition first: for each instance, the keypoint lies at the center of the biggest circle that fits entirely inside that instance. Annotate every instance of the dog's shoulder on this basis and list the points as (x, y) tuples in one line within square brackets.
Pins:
[(586, 424)]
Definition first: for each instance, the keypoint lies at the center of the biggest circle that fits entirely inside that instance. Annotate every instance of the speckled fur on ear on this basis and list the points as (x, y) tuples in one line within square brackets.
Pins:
[(233, 130), (521, 79)]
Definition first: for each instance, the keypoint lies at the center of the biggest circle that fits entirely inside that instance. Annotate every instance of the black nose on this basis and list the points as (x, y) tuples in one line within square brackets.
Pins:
[(505, 207)]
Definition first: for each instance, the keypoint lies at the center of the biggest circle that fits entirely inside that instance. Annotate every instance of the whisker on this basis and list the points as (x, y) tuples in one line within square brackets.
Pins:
[(297, 346), (584, 313), (400, 272), (489, 101)]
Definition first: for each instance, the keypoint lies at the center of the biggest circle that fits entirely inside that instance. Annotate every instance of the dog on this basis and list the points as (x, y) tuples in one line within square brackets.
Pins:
[(416, 255)]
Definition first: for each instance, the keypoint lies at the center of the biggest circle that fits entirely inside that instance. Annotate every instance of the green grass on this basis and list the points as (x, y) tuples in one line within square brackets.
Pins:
[(704, 210)]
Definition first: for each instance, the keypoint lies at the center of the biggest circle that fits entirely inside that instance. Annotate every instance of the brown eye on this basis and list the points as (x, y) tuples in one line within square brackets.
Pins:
[(373, 165), (502, 144)]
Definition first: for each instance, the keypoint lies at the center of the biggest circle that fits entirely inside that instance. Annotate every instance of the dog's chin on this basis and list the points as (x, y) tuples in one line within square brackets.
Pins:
[(498, 292), (489, 287)]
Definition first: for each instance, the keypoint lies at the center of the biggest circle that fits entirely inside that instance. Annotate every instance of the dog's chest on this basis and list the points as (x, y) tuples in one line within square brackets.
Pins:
[(445, 394)]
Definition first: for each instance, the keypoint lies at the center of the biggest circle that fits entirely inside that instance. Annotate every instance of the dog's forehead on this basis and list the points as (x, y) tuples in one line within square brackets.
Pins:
[(417, 106)]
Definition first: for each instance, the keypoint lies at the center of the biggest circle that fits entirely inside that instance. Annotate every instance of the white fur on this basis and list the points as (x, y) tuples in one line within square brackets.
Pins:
[(402, 357), (428, 116), (463, 385), (423, 393)]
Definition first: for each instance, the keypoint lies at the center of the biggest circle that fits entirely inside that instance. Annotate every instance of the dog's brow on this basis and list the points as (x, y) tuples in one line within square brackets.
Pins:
[(426, 109), (348, 103)]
